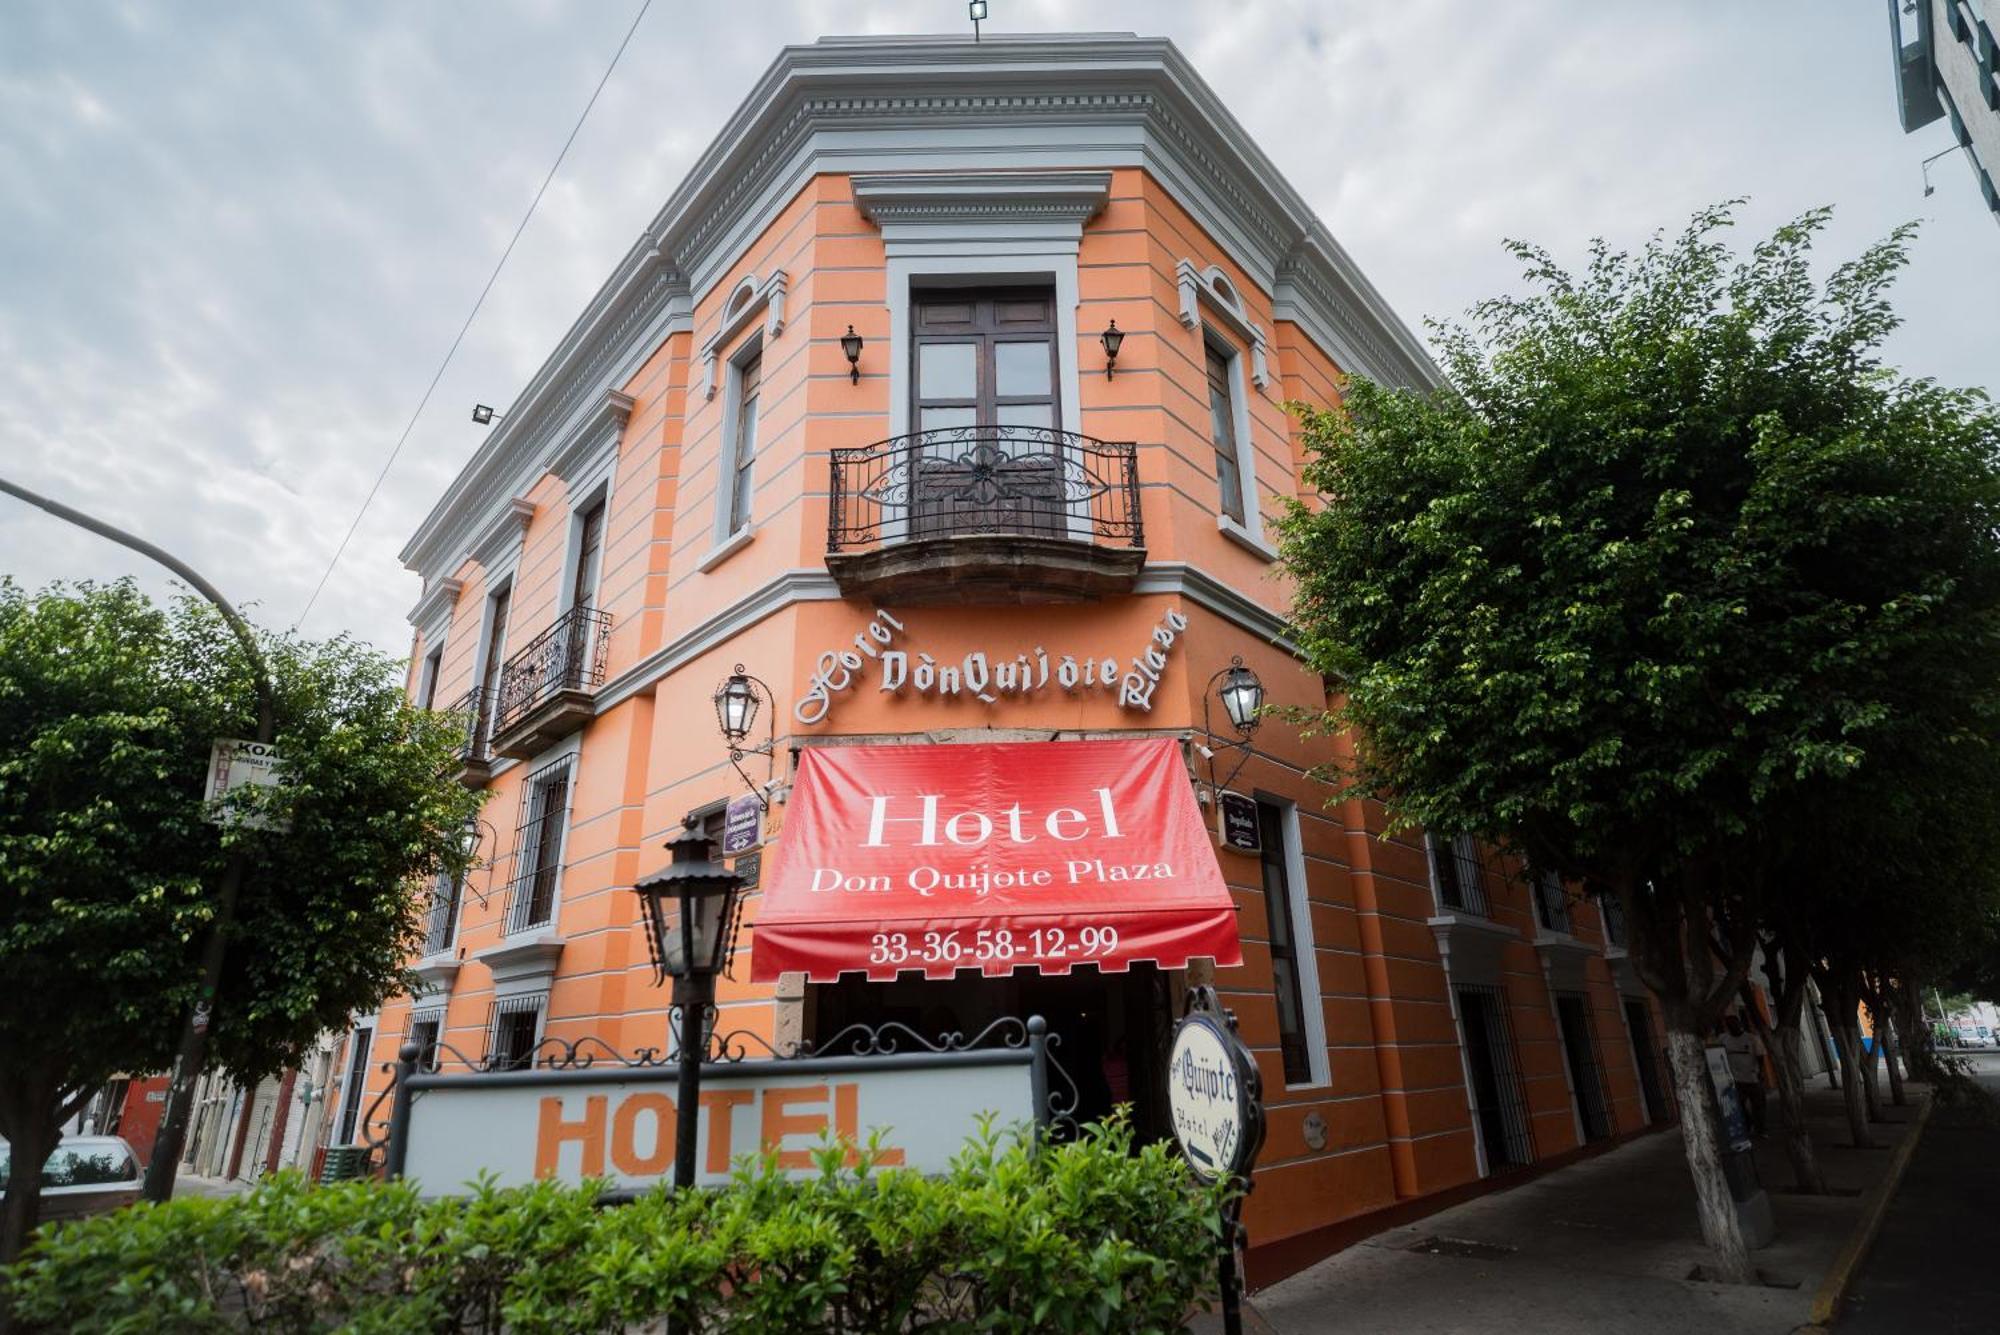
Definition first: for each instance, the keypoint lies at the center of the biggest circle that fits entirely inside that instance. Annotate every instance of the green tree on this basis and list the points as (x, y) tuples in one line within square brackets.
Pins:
[(108, 709), (1671, 545)]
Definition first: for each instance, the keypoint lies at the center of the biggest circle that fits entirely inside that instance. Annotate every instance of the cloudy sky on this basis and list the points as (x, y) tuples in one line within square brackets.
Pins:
[(237, 238)]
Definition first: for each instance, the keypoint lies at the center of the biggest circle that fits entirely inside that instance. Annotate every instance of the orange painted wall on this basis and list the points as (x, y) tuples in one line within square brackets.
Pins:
[(1395, 1107)]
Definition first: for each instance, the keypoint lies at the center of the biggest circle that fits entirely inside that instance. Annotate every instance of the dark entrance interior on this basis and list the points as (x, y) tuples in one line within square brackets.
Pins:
[(1496, 1094), (1111, 1029), (1580, 1051), (1640, 1021)]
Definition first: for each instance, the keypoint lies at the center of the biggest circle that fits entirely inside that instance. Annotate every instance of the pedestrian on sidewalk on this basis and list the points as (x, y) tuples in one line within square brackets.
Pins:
[(1746, 1068)]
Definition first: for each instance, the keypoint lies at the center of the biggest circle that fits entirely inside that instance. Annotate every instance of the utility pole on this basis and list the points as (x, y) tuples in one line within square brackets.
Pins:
[(194, 1031)]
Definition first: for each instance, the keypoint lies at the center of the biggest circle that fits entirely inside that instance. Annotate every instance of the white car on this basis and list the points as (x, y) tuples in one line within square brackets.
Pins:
[(85, 1175)]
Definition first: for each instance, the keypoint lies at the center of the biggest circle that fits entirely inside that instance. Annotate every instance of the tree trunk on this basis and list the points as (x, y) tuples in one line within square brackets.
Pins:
[(1870, 1054), (33, 1132), (1913, 1037), (1701, 1138), (1889, 1043), (1850, 1083), (1787, 1062)]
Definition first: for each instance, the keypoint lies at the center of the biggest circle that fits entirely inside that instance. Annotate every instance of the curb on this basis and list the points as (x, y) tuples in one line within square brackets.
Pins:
[(1826, 1303)]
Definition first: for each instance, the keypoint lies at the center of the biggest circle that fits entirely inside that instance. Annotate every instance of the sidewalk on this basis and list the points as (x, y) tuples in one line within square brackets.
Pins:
[(190, 1184), (1602, 1245)]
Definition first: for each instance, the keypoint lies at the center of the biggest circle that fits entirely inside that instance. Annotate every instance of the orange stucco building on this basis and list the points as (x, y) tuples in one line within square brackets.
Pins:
[(700, 477)]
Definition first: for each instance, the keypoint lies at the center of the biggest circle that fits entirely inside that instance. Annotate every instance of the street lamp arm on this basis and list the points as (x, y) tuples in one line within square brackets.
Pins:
[(266, 702)]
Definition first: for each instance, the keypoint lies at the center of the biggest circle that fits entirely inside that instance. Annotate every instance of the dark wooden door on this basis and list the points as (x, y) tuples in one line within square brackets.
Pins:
[(984, 395)]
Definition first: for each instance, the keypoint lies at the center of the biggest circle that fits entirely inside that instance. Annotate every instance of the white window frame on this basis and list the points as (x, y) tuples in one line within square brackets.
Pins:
[(573, 552), (1210, 304), (571, 749), (1305, 951), (727, 539)]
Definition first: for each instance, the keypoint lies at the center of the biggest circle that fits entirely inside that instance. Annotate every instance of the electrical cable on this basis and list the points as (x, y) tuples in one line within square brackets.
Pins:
[(422, 403)]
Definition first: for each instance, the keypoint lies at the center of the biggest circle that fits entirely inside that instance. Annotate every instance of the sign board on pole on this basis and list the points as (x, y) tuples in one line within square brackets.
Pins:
[(742, 824), (1734, 1125), (1236, 818), (620, 1124), (235, 763)]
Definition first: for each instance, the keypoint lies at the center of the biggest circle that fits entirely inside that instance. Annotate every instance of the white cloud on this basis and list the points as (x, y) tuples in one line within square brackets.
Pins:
[(235, 239)]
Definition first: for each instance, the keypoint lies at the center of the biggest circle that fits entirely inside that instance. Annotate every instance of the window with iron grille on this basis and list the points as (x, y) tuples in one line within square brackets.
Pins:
[(1586, 1070), (1613, 914), (442, 928), (1653, 1081), (426, 1029), (1551, 902), (515, 1031), (538, 841), (1500, 1109), (1461, 876)]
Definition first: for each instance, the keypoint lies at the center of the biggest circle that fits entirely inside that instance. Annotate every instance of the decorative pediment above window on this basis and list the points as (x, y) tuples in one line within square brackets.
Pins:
[(596, 435), (433, 611), (980, 212), (747, 300), (1210, 290), (502, 538)]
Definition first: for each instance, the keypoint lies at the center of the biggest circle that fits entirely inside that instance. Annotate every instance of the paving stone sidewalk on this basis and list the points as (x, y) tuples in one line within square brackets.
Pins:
[(1603, 1245)]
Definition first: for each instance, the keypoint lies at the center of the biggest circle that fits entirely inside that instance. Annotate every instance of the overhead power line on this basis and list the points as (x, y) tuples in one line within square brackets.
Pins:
[(471, 315)]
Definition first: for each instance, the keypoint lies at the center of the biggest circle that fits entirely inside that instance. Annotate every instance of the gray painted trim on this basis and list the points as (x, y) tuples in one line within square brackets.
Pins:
[(579, 453), (432, 614), (499, 543)]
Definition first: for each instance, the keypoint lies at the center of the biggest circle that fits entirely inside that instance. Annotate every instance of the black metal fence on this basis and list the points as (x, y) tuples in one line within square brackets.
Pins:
[(1027, 480), (568, 656)]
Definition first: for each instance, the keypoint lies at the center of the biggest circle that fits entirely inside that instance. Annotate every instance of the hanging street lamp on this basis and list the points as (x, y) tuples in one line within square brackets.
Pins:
[(689, 907)]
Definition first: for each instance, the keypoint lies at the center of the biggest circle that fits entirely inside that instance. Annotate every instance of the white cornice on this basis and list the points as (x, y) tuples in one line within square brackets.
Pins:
[(435, 606), (1038, 105), (981, 197)]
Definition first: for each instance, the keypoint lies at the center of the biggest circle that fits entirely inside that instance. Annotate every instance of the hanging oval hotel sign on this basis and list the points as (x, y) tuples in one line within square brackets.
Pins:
[(1214, 1094)]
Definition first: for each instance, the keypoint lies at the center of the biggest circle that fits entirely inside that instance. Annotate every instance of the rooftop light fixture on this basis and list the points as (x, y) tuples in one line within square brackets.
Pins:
[(484, 415)]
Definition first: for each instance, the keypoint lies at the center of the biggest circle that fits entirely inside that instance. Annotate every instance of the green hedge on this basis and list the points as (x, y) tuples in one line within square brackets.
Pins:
[(1088, 1236)]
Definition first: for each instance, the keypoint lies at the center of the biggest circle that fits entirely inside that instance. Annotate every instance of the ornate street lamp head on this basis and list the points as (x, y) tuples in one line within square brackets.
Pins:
[(689, 907)]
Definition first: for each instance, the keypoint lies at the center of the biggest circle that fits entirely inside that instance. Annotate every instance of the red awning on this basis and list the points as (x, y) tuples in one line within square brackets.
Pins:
[(993, 857)]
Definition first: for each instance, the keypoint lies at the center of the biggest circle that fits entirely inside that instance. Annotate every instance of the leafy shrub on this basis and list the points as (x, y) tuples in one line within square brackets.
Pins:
[(1090, 1236)]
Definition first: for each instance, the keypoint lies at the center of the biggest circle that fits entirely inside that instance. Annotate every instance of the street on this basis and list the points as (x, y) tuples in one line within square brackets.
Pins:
[(1932, 1269)]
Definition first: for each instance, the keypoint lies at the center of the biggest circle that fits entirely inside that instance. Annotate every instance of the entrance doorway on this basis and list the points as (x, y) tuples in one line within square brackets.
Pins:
[(1500, 1112), (1639, 1019), (1108, 1031), (1586, 1075)]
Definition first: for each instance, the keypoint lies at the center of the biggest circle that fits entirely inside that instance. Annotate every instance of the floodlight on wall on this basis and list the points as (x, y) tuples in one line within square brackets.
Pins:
[(850, 347), (484, 415), (1113, 338), (1930, 189)]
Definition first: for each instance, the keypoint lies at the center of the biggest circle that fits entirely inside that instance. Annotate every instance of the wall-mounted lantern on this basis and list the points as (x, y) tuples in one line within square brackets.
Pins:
[(850, 345), (1112, 338)]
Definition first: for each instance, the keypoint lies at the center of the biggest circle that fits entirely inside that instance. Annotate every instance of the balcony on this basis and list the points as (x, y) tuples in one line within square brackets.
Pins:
[(475, 751), (985, 514), (546, 689)]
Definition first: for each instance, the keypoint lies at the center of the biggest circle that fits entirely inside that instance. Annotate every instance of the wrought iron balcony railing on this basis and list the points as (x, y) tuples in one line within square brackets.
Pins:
[(568, 656), (476, 709), (996, 480)]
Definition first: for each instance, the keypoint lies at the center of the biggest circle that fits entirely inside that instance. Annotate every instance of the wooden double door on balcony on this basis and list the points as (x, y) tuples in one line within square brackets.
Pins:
[(985, 399)]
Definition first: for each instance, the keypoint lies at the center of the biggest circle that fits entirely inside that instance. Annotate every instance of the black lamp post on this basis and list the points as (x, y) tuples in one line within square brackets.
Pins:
[(690, 913)]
